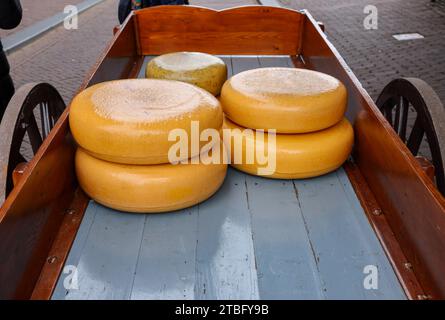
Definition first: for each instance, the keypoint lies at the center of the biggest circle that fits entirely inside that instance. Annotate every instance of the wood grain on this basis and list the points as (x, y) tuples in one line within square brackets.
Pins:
[(412, 205), (206, 252), (384, 233), (61, 246), (245, 30), (32, 216), (343, 240)]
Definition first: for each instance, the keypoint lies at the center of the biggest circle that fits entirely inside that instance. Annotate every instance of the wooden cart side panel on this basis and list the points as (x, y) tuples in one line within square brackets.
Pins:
[(121, 57), (248, 30), (31, 216), (412, 205)]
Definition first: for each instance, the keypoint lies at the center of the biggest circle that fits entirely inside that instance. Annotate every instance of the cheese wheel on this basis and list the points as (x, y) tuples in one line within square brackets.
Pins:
[(152, 188), (129, 121), (288, 100), (296, 156), (203, 70)]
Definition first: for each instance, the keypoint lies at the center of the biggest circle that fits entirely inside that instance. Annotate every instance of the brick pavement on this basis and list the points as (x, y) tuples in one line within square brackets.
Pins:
[(34, 11), (374, 55), (64, 57)]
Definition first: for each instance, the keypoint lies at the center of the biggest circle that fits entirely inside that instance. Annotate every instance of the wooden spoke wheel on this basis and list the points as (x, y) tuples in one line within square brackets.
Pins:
[(29, 117), (412, 100)]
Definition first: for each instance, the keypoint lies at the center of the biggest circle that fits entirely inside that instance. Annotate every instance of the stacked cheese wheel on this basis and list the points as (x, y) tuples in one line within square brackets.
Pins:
[(122, 129), (306, 110)]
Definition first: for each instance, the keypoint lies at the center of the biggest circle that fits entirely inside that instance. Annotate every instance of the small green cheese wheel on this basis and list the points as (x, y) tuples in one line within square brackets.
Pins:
[(203, 70)]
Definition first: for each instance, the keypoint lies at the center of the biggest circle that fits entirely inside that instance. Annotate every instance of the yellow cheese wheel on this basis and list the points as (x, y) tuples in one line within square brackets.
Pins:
[(288, 100), (129, 121), (151, 188), (297, 155), (203, 70)]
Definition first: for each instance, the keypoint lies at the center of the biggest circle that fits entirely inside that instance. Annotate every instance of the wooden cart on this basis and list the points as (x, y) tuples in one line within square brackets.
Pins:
[(256, 238)]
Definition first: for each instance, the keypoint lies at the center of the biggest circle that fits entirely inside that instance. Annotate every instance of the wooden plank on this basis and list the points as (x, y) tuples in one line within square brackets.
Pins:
[(412, 205), (58, 254), (166, 267), (243, 64), (249, 241), (286, 266), (76, 251), (343, 241), (379, 223), (283, 62), (243, 30), (224, 252), (31, 216), (225, 264), (141, 73), (108, 259), (272, 285)]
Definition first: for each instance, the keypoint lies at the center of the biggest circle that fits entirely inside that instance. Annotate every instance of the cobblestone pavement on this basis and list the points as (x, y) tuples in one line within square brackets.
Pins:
[(34, 11), (374, 55)]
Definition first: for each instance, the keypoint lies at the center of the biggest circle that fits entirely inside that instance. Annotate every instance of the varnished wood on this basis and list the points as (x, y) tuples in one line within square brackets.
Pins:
[(406, 276), (245, 30), (412, 205), (61, 246), (427, 166), (32, 215), (18, 172), (378, 221)]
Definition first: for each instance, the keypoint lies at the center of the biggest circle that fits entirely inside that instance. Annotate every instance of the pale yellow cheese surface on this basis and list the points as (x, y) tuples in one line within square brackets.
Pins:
[(297, 155), (288, 100), (129, 121), (147, 188), (203, 70)]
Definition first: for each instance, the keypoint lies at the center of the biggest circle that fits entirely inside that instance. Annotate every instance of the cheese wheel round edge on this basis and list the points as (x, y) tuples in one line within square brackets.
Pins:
[(147, 189), (284, 112), (298, 156), (206, 71), (135, 141)]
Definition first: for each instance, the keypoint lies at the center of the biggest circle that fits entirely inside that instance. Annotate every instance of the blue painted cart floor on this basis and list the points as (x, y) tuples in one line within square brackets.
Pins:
[(255, 238)]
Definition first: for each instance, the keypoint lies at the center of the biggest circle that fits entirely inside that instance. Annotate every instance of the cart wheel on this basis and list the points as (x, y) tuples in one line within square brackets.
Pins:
[(20, 133), (405, 95)]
